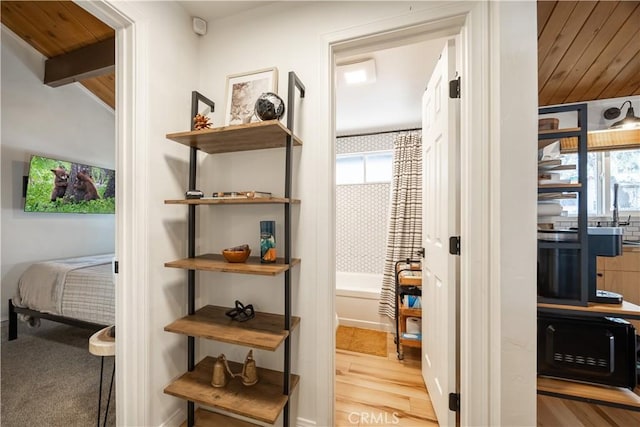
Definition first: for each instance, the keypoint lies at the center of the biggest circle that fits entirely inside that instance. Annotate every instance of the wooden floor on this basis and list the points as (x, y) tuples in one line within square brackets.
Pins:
[(385, 391), (381, 391)]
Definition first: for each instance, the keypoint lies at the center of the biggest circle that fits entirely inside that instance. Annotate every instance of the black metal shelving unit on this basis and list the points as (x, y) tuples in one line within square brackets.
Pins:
[(294, 83), (580, 189)]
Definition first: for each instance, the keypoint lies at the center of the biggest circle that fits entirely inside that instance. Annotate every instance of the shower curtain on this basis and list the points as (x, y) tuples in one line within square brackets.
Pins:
[(404, 232)]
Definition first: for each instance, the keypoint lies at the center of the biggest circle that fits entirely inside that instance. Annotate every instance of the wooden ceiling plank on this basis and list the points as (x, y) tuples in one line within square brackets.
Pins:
[(60, 26), (607, 32), (566, 41), (554, 26), (603, 67), (545, 8), (626, 81), (93, 25), (15, 16), (570, 68), (103, 87), (88, 61)]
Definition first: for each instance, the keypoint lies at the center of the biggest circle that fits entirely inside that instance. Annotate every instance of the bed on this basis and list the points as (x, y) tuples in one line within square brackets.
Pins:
[(77, 291)]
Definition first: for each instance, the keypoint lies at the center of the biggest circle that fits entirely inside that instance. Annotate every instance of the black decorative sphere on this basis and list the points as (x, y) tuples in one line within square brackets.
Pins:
[(269, 106)]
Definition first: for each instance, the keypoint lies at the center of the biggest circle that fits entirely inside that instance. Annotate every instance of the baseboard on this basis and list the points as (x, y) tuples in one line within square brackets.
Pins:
[(302, 422), (176, 419), (364, 324)]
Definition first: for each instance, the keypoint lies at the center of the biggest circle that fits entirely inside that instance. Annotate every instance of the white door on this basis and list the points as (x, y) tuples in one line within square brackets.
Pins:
[(440, 221)]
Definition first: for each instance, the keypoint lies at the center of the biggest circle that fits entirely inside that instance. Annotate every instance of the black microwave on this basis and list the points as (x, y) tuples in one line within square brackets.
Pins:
[(598, 350)]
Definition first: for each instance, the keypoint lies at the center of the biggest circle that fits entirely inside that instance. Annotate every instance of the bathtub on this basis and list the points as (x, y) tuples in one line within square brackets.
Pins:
[(357, 296)]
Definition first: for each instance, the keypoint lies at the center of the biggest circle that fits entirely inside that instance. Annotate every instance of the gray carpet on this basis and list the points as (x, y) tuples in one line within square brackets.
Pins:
[(49, 378)]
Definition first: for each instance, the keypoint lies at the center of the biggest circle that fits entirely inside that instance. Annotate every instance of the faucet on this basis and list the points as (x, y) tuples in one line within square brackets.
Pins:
[(616, 219)]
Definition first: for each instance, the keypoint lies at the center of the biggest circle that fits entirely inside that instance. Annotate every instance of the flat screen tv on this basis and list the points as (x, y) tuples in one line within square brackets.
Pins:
[(61, 186)]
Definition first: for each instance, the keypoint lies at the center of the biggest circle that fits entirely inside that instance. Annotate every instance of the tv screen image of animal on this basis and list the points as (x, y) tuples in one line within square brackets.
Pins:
[(61, 186)]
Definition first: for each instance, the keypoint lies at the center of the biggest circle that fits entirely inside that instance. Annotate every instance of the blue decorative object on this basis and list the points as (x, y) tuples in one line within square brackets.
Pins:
[(269, 106)]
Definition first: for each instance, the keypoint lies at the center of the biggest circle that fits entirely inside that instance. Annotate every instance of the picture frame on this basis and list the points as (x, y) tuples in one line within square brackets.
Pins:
[(242, 92)]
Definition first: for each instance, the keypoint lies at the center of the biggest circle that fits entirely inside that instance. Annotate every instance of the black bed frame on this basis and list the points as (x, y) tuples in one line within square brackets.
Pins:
[(13, 320)]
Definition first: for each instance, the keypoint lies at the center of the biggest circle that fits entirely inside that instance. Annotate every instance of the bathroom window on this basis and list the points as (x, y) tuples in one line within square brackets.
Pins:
[(604, 169), (364, 168)]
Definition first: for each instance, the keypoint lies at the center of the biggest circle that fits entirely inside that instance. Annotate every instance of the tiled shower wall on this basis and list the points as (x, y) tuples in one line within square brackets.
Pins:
[(362, 212), (631, 231)]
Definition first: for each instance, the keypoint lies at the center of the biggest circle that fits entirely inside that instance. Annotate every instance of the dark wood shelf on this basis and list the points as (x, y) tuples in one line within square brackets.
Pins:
[(598, 394), (205, 418), (263, 401), (265, 331), (229, 139), (216, 262), (238, 201)]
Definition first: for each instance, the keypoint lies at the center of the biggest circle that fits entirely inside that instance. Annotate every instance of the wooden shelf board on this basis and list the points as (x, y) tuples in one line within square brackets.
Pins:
[(229, 139), (624, 310), (216, 262), (265, 331), (407, 342), (553, 133), (556, 196), (204, 418), (262, 402), (410, 281), (238, 201), (559, 186), (410, 312), (594, 393)]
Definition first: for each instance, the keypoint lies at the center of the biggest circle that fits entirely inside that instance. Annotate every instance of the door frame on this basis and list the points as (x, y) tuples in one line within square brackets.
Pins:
[(469, 20), (132, 375)]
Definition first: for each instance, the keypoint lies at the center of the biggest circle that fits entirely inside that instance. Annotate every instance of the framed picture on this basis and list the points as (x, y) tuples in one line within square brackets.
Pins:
[(242, 92)]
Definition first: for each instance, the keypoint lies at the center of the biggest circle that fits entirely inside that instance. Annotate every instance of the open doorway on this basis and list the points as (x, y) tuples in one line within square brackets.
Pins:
[(378, 95)]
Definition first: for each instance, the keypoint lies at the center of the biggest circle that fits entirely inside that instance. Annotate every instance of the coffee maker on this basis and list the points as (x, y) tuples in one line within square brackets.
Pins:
[(559, 268)]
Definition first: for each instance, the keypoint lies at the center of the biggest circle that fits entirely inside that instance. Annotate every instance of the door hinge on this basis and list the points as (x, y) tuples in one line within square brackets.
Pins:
[(454, 245), (454, 402), (454, 88), (420, 252), (116, 266)]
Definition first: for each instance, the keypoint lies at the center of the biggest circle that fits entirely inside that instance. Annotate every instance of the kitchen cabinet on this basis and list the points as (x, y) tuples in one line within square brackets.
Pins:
[(621, 274)]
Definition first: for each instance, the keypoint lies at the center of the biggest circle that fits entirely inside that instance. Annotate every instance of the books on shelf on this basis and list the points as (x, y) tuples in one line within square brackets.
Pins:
[(241, 195)]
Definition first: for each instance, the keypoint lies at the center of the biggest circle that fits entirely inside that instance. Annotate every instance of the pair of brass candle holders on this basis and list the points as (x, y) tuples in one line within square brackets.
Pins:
[(222, 373)]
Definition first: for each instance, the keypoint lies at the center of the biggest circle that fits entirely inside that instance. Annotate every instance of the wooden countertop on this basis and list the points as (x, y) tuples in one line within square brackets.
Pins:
[(630, 248)]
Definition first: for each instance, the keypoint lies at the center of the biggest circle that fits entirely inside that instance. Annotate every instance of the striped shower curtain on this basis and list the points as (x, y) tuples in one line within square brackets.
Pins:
[(404, 231)]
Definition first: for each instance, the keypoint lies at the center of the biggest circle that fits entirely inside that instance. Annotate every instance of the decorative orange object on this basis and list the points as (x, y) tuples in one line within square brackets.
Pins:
[(270, 255)]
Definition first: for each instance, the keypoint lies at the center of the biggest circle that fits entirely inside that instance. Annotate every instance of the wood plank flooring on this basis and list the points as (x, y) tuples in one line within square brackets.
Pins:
[(381, 391), (384, 391)]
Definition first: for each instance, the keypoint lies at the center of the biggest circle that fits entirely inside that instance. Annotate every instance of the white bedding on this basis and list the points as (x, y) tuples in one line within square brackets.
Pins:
[(81, 288)]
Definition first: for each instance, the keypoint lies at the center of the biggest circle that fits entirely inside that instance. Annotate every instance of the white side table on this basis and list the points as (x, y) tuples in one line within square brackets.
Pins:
[(103, 343)]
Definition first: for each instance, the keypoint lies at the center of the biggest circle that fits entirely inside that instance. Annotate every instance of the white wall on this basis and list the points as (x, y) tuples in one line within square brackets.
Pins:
[(513, 218), (293, 36), (288, 36), (166, 66), (67, 123)]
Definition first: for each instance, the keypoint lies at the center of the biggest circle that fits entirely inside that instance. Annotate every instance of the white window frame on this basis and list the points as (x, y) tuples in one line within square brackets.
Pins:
[(364, 155), (604, 201)]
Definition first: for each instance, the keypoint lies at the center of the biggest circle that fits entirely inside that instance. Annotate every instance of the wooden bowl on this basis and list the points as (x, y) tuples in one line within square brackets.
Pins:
[(235, 255)]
